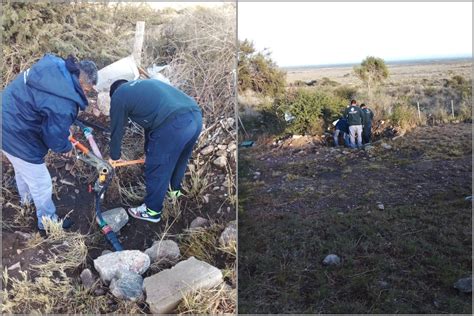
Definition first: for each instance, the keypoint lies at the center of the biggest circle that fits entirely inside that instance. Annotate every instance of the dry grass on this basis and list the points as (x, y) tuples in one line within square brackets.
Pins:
[(219, 300), (201, 243), (53, 292)]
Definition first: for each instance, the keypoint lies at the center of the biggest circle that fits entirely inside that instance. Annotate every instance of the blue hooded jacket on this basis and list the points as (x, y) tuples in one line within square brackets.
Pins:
[(38, 108), (343, 125)]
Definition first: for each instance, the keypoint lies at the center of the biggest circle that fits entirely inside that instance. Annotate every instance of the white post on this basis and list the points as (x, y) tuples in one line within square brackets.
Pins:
[(419, 113), (452, 108), (137, 46)]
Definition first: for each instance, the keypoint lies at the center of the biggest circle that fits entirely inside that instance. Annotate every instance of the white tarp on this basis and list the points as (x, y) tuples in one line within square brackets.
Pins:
[(125, 68)]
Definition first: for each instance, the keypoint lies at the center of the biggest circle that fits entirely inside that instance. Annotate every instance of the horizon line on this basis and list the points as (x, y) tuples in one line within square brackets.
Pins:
[(388, 61)]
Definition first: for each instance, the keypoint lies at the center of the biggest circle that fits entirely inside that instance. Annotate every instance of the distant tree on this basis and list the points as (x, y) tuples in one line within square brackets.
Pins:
[(372, 71), (258, 72)]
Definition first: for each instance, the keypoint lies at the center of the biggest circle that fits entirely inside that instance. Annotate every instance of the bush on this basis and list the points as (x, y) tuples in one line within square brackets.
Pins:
[(440, 115), (465, 113), (346, 92), (258, 72), (94, 31), (313, 111), (406, 117)]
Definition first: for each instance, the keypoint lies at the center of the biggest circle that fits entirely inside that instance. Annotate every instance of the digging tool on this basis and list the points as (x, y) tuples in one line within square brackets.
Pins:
[(106, 173), (90, 138), (126, 163)]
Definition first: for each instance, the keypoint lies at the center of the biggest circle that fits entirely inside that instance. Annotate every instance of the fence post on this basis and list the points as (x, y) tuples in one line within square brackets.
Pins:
[(452, 108), (138, 44), (419, 113)]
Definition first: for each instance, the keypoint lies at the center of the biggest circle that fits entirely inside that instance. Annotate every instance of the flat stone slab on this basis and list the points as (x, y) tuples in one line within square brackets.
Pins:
[(110, 265), (167, 288)]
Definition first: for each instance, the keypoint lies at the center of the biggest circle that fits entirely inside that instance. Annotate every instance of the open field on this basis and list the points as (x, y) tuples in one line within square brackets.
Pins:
[(399, 73), (300, 204)]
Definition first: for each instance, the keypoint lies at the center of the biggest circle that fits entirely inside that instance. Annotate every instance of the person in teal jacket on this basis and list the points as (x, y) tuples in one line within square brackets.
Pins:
[(172, 122)]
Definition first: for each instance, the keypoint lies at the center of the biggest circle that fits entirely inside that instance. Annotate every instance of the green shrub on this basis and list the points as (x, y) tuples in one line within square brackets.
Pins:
[(465, 113), (440, 115), (406, 117), (346, 92), (258, 72), (313, 110)]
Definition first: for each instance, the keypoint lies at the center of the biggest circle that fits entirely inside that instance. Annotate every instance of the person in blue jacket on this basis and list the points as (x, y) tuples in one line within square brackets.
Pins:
[(342, 126), (38, 108), (172, 122)]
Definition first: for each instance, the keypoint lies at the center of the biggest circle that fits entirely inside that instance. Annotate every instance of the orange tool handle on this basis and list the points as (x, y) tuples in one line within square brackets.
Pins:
[(127, 163), (78, 145)]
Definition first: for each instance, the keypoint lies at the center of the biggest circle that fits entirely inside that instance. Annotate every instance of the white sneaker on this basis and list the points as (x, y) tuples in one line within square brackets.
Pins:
[(144, 213)]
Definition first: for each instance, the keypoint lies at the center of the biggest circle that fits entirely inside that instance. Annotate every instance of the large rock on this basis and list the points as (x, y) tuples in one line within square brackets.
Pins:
[(229, 235), (116, 218), (167, 288), (164, 252), (110, 265), (220, 162), (464, 285), (127, 285), (199, 222)]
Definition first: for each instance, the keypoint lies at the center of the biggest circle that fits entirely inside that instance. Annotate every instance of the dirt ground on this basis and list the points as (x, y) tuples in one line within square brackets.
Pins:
[(297, 205), (71, 180), (399, 73)]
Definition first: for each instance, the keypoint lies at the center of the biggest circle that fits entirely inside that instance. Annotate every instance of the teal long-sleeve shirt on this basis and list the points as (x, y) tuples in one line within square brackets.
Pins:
[(148, 103)]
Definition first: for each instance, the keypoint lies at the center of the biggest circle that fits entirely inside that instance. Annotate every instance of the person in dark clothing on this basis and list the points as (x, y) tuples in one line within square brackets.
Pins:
[(38, 108), (353, 113), (367, 116), (341, 127), (172, 122)]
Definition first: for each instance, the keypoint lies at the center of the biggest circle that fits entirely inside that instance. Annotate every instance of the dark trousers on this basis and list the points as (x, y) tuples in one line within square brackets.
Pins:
[(168, 149), (366, 133)]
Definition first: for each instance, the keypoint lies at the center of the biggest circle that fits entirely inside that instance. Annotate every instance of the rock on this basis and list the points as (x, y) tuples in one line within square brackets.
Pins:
[(15, 266), (380, 206), (23, 235), (331, 260), (116, 218), (199, 222), (222, 153), (222, 147), (386, 146), (464, 285), (164, 252), (207, 150), (232, 147), (220, 162), (99, 292), (106, 251), (296, 136), (206, 198), (229, 235), (369, 148), (230, 122), (166, 289), (19, 251), (87, 278), (111, 264), (128, 285), (76, 191)]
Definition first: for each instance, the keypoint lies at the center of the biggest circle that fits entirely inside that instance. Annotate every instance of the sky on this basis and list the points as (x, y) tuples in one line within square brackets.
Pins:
[(319, 33)]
